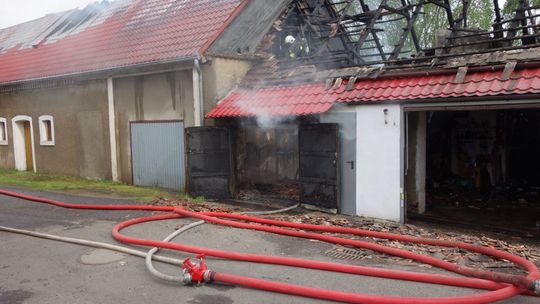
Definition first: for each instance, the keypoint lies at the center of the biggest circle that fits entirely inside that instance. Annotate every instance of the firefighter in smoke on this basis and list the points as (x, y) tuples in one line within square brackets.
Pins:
[(296, 47)]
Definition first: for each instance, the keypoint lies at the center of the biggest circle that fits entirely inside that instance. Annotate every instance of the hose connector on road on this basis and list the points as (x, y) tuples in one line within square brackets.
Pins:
[(196, 272), (536, 287)]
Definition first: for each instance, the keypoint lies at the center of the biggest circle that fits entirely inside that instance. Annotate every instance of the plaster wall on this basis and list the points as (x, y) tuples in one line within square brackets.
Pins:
[(415, 166), (379, 158), (220, 76), (80, 125), (163, 96)]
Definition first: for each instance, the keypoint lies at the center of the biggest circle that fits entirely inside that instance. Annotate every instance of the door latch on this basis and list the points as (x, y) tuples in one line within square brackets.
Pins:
[(352, 164)]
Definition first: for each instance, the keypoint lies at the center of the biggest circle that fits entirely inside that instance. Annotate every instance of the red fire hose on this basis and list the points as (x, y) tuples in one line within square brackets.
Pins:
[(504, 285)]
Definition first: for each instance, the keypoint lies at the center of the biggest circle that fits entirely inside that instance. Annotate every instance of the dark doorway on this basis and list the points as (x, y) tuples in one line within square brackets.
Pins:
[(208, 162), (483, 169), (318, 146), (28, 146)]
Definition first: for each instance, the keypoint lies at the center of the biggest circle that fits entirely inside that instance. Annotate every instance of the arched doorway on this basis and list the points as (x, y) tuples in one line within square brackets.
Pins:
[(23, 143)]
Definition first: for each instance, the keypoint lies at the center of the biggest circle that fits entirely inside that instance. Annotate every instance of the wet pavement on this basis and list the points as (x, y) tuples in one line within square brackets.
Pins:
[(35, 270)]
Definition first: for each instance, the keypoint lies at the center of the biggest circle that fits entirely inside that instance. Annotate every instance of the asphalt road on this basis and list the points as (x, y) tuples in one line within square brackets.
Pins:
[(34, 270)]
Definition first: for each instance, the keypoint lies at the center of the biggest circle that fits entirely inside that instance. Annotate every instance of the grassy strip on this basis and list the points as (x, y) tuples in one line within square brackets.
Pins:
[(53, 182)]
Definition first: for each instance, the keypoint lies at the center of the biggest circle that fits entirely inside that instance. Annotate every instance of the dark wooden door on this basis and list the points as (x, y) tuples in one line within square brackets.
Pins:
[(318, 146), (208, 162), (28, 146)]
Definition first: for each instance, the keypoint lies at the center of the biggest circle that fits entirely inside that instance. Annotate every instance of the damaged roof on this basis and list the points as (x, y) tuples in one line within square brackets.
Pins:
[(247, 30), (110, 35), (311, 76), (315, 98)]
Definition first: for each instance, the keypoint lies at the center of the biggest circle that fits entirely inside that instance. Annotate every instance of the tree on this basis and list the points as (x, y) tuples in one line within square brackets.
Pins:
[(511, 5)]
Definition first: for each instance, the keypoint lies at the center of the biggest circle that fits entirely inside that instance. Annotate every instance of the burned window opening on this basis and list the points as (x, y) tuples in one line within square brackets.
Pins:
[(77, 18)]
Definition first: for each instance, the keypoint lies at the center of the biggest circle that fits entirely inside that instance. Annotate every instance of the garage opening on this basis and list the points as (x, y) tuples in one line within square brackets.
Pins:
[(267, 163), (477, 167), (293, 160), (306, 159)]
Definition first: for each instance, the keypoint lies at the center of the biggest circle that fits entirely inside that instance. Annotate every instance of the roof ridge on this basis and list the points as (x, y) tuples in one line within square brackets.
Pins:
[(129, 33)]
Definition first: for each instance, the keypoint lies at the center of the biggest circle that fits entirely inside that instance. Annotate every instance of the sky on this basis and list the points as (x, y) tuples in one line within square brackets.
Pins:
[(17, 11)]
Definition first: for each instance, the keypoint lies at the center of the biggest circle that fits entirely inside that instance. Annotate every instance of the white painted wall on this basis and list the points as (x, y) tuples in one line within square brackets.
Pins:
[(112, 129), (379, 158)]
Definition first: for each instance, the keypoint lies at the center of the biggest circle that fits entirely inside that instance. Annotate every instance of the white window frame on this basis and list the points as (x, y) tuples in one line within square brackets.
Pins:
[(4, 142), (43, 131)]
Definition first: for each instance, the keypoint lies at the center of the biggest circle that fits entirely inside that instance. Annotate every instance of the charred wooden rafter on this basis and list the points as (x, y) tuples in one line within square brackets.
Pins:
[(409, 29), (352, 33)]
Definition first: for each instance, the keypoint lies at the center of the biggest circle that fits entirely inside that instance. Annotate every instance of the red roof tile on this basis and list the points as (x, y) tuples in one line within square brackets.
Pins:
[(275, 101), (124, 33), (442, 86), (313, 98)]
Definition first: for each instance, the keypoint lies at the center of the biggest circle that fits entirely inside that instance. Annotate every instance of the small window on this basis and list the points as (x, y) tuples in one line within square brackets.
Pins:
[(3, 132), (46, 130)]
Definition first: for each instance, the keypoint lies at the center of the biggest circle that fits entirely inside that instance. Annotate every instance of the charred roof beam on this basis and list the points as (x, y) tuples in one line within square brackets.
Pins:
[(319, 23), (407, 30), (446, 5), (341, 15), (414, 36), (519, 19), (464, 14), (370, 29)]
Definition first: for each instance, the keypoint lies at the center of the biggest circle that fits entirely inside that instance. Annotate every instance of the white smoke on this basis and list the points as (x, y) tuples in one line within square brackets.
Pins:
[(265, 118)]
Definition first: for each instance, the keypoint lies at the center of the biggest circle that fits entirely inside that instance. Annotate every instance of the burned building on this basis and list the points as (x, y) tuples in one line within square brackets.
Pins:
[(368, 117)]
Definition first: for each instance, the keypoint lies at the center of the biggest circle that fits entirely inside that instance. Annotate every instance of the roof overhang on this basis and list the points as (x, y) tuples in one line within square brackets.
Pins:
[(117, 72), (298, 100)]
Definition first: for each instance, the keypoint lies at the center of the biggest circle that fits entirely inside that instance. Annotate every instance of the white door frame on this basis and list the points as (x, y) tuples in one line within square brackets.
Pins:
[(19, 142)]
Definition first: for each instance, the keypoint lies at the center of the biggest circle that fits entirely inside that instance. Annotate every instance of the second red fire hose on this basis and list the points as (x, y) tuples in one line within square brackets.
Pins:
[(502, 285)]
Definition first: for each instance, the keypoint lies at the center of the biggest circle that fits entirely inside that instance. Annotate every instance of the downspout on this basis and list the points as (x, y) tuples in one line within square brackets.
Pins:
[(198, 104), (197, 71), (112, 129)]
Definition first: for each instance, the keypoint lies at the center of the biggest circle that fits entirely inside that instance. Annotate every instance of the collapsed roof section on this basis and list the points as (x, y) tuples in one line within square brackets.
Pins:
[(322, 52), (399, 33)]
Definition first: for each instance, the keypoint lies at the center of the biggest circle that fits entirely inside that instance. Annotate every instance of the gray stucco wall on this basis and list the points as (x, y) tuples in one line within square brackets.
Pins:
[(164, 96), (80, 124), (80, 114)]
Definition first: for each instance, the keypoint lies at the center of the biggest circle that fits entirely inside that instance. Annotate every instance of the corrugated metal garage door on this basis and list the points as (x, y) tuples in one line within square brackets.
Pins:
[(157, 153)]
